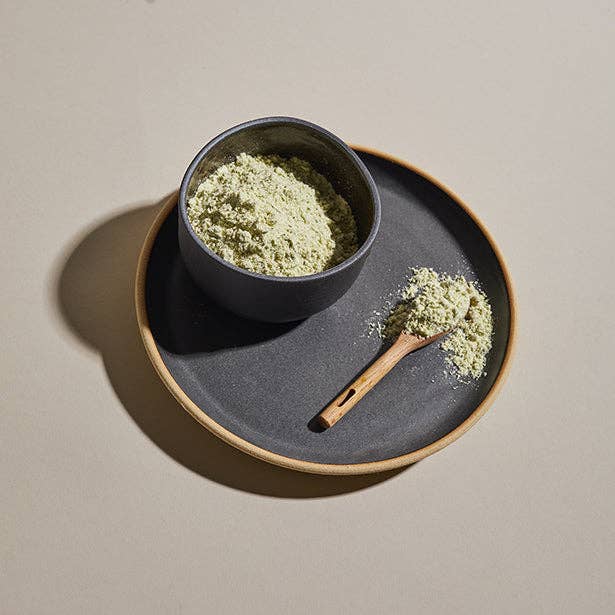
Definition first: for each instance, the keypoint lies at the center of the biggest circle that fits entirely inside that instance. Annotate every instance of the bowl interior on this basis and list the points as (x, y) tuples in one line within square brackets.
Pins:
[(324, 153)]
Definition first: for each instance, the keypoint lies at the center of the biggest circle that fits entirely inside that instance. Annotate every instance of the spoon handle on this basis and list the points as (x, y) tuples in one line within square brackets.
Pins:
[(367, 380)]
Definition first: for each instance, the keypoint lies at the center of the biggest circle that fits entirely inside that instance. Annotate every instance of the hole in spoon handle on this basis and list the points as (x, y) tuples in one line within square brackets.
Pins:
[(363, 384), (350, 393)]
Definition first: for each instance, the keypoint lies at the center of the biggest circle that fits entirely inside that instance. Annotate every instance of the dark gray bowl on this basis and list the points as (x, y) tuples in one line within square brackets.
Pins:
[(270, 298)]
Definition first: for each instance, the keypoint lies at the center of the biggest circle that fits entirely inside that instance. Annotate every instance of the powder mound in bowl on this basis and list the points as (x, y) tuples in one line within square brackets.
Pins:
[(432, 303), (273, 216)]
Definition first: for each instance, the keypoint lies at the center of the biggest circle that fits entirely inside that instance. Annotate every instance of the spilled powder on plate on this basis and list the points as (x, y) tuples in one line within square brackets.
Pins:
[(431, 303), (274, 216)]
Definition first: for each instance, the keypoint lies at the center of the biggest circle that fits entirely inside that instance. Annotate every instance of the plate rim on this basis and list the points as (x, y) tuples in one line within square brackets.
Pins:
[(292, 463)]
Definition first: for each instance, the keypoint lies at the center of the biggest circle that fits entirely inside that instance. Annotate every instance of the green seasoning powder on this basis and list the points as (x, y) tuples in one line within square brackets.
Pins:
[(274, 216), (432, 303)]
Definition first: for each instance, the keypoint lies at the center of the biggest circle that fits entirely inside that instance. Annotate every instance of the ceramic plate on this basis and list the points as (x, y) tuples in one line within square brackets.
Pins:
[(258, 386)]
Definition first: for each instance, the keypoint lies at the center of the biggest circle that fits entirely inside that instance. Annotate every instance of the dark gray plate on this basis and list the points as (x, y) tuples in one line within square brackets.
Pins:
[(262, 384)]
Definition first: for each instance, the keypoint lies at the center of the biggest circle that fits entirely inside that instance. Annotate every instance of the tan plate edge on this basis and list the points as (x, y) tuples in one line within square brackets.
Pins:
[(298, 464)]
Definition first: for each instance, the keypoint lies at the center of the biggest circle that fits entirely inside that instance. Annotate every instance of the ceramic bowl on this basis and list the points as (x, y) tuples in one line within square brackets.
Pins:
[(272, 298)]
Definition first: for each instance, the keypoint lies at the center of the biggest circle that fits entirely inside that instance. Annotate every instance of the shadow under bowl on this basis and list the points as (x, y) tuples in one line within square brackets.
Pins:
[(271, 298)]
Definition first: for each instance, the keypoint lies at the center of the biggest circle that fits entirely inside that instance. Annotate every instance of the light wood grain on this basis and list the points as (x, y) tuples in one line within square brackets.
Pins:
[(351, 395)]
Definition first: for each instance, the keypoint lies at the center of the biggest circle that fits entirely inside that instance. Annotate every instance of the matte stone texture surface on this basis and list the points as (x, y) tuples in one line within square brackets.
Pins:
[(266, 382)]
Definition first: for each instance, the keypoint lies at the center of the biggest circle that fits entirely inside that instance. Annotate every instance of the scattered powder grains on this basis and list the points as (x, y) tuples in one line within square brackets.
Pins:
[(273, 216), (433, 302)]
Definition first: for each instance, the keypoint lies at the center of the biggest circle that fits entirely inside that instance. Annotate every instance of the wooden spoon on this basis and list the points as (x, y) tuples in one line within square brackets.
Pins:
[(404, 344)]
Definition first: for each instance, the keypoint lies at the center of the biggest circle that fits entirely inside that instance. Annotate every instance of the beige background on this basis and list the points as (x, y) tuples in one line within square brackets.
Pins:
[(113, 499)]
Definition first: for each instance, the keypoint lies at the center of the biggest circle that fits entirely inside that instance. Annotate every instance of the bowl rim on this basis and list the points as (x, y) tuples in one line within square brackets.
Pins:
[(281, 120)]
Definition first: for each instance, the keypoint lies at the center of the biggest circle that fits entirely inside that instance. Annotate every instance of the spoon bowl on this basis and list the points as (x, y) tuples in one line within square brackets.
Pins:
[(351, 395)]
